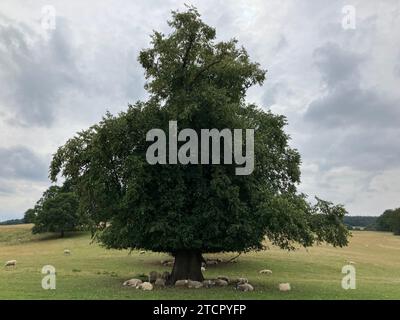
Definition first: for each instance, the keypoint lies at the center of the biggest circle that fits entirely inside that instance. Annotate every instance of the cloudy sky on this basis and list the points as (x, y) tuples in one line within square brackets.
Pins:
[(338, 87)]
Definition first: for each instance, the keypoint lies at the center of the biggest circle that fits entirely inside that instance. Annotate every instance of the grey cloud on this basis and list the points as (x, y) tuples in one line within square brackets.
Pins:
[(21, 163), (35, 72), (346, 106), (337, 66), (356, 127)]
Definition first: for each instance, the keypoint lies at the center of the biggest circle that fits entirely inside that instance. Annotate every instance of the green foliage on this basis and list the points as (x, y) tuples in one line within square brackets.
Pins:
[(56, 211), (12, 222), (360, 221), (200, 83), (30, 216), (389, 221)]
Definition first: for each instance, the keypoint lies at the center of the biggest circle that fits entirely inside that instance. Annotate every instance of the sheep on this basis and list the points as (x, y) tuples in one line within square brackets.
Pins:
[(167, 262), (352, 262), (284, 287), (146, 286), (241, 281), (67, 252), (208, 283), (153, 276), (221, 283), (159, 283), (265, 271), (245, 287), (142, 252), (225, 278), (194, 284), (132, 283), (202, 269), (11, 263), (181, 283)]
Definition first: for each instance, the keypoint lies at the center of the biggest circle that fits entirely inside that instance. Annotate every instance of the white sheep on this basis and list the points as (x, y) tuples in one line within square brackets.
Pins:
[(208, 283), (67, 252), (284, 287), (146, 286), (11, 263), (245, 287), (223, 278), (221, 283), (132, 282), (194, 284), (181, 283), (203, 269), (265, 271), (242, 281), (160, 283)]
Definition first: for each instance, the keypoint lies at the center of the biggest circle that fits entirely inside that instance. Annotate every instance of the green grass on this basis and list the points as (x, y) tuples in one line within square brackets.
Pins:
[(92, 272)]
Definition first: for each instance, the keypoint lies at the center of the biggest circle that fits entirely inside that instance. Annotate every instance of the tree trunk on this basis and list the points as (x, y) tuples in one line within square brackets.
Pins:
[(187, 266), (62, 233)]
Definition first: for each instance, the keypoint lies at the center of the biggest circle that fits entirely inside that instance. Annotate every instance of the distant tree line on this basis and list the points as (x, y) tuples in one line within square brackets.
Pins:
[(359, 222), (389, 221), (12, 222)]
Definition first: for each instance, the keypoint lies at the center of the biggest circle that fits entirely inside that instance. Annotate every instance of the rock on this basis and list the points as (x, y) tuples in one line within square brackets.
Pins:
[(221, 283), (194, 284), (223, 278), (153, 276), (132, 282), (245, 287), (160, 283), (142, 252), (181, 283), (146, 286), (265, 271), (208, 283), (284, 287)]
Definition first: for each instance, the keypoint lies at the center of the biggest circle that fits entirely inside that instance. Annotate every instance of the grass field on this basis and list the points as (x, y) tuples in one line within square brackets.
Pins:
[(92, 272)]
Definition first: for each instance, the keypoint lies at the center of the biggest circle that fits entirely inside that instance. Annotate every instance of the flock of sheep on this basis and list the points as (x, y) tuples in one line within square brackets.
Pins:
[(158, 280)]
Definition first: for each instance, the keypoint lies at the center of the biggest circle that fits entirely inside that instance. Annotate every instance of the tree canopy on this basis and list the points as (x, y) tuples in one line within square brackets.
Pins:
[(389, 221), (192, 209), (56, 211)]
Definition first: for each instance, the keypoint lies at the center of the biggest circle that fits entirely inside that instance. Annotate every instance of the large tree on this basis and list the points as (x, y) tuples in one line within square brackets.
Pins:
[(188, 210)]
